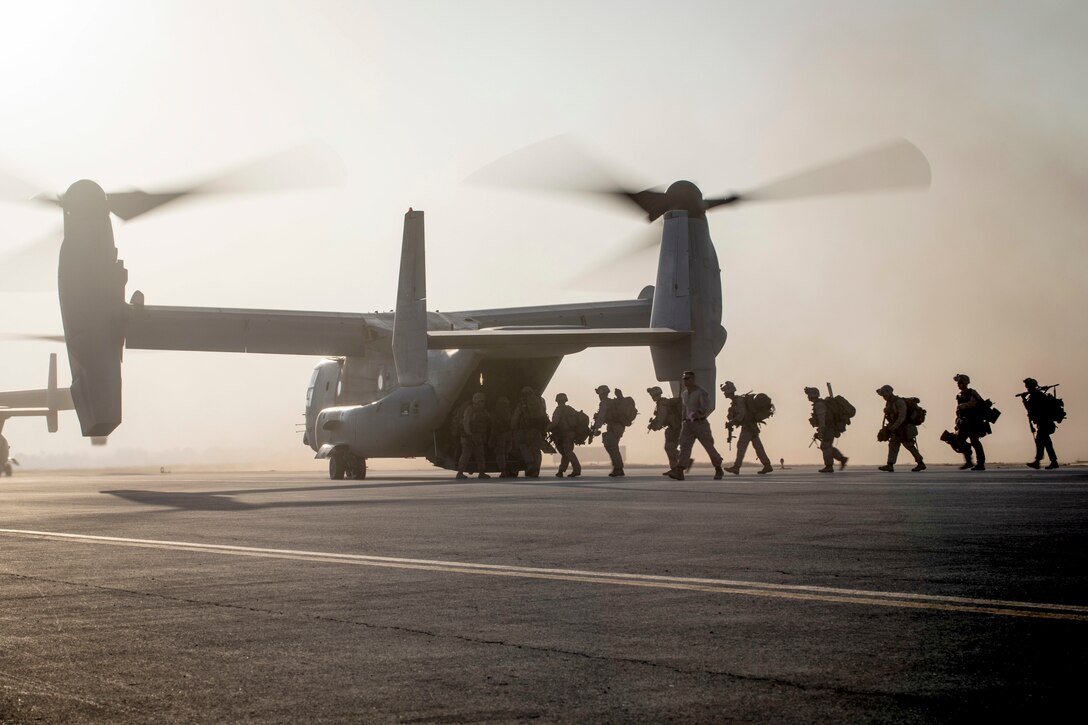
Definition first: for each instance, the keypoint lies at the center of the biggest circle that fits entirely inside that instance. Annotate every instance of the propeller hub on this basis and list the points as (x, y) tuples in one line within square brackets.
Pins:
[(685, 196), (85, 199)]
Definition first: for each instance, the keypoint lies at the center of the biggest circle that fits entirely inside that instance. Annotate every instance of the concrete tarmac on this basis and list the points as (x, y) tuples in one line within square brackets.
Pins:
[(411, 597)]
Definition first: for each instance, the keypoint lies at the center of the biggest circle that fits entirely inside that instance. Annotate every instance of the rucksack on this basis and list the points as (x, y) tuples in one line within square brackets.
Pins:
[(625, 410), (916, 414), (841, 412), (1053, 408), (676, 412), (758, 406), (580, 427)]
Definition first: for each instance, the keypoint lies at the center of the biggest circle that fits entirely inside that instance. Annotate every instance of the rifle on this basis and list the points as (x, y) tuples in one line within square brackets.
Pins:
[(729, 438), (593, 433), (815, 438)]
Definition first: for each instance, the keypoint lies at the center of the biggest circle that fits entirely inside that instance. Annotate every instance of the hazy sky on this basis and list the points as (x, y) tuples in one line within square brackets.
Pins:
[(982, 274)]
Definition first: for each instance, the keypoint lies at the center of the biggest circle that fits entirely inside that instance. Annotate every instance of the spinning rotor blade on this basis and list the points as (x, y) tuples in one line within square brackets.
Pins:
[(32, 267), (898, 165), (303, 167), (34, 338), (13, 187), (558, 164)]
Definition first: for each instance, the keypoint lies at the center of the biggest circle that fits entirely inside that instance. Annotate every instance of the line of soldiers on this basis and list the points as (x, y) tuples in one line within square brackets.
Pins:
[(684, 421)]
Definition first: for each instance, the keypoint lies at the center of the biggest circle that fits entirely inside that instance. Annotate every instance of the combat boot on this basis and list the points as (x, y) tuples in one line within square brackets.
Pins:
[(618, 473), (1034, 464), (967, 464), (461, 476), (558, 474), (767, 468), (1052, 466), (676, 474), (735, 470), (718, 472), (920, 467), (484, 475), (827, 469), (978, 467), (842, 463), (888, 467)]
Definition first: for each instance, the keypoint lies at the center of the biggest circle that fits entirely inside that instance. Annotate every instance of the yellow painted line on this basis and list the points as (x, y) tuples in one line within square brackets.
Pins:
[(794, 592)]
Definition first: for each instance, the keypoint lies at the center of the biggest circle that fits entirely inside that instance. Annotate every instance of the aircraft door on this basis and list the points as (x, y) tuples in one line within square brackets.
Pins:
[(321, 394)]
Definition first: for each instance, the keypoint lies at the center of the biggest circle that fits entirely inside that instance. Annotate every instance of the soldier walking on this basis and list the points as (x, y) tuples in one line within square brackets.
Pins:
[(971, 424), (668, 416), (500, 434), (695, 405), (898, 430), (528, 422), (475, 426), (562, 431), (826, 431), (1044, 413), (741, 415), (608, 417)]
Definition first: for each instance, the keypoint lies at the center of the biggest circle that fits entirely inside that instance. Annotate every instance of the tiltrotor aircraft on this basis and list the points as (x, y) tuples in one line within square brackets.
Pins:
[(391, 383)]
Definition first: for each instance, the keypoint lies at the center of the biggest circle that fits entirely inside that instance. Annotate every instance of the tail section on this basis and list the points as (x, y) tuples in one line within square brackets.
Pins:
[(410, 322), (688, 296)]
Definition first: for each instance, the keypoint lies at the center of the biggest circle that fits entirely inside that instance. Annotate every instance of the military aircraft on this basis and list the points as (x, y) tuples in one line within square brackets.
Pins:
[(45, 403), (392, 384)]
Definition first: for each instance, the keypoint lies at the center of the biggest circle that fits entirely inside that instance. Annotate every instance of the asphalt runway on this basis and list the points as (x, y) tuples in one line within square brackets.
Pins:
[(409, 597)]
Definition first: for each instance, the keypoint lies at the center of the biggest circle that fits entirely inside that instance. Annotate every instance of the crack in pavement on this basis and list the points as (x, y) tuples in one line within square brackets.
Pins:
[(723, 674)]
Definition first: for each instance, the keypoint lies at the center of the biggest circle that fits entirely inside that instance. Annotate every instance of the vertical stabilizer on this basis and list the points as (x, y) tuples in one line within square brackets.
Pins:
[(410, 320), (52, 397), (688, 296)]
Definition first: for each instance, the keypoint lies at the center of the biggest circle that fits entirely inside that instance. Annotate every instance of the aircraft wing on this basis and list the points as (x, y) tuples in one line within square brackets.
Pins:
[(32, 400), (215, 329), (550, 341)]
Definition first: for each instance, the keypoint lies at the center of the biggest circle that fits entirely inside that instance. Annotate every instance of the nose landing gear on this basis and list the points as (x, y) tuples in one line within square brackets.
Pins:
[(345, 464)]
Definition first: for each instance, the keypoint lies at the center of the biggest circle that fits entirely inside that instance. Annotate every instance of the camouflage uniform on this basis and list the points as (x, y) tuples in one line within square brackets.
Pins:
[(475, 426), (740, 417), (562, 432), (825, 431), (665, 418), (1044, 426), (500, 434), (899, 432), (607, 416), (971, 424), (529, 421)]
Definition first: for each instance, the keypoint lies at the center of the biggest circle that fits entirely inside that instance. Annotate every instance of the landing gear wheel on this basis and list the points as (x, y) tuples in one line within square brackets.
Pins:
[(358, 468), (337, 467)]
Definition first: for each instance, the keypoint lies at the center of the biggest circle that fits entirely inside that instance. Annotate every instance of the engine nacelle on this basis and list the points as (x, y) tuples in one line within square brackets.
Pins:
[(91, 284)]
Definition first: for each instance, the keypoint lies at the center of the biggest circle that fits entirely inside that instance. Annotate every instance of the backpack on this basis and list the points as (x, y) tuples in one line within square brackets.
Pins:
[(625, 410), (580, 427), (1053, 408), (841, 412), (758, 406), (916, 414), (537, 412), (676, 413)]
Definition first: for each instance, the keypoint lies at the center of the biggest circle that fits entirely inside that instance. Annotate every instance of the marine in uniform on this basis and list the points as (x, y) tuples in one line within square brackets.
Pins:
[(897, 431), (475, 427), (562, 429), (695, 406), (971, 424), (607, 417), (1042, 422), (500, 435), (529, 421), (825, 431), (665, 418), (740, 417)]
